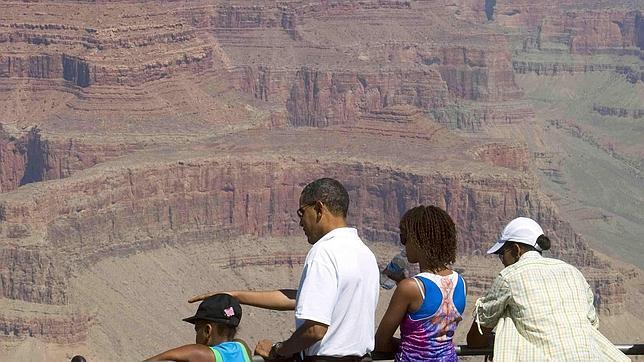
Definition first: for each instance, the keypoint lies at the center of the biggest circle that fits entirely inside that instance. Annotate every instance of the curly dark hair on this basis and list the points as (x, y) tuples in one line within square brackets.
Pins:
[(432, 229)]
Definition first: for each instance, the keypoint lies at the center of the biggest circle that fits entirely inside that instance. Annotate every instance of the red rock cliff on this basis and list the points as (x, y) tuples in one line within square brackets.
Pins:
[(194, 201)]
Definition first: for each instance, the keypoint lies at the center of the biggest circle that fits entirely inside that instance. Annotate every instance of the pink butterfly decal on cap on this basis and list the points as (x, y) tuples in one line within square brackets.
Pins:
[(229, 312)]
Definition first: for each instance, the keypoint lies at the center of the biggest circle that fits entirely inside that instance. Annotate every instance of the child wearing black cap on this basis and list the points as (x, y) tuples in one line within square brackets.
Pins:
[(215, 323)]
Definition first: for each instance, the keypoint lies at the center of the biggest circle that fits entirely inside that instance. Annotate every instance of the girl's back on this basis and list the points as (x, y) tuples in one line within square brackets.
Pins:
[(427, 333)]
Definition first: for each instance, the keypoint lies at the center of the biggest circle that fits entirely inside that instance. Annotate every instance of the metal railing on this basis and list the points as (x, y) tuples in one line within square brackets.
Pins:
[(628, 349)]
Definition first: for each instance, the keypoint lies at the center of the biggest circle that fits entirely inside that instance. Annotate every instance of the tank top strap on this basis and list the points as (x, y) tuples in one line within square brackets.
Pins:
[(215, 351), (247, 358), (421, 288), (459, 294)]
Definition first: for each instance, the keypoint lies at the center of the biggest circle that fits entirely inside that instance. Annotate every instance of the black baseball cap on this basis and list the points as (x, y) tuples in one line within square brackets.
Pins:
[(219, 308)]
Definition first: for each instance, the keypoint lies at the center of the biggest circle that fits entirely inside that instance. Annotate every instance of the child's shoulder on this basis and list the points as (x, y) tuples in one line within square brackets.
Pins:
[(243, 343)]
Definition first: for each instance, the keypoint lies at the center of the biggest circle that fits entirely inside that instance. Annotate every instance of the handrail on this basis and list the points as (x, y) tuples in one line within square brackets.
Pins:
[(463, 350)]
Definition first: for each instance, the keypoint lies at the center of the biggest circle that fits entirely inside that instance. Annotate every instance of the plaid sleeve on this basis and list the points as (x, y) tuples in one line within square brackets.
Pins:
[(491, 307)]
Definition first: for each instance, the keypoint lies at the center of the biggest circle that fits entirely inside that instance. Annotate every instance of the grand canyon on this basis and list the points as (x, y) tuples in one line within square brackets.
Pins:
[(151, 151)]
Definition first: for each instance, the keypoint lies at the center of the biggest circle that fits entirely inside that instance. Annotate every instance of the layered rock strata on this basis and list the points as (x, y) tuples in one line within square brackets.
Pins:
[(218, 41), (570, 38), (376, 75), (53, 329), (102, 213), (31, 158)]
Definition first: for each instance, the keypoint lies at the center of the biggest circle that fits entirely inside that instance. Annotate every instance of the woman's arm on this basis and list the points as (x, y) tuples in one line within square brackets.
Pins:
[(592, 314), (492, 306), (283, 299), (406, 292)]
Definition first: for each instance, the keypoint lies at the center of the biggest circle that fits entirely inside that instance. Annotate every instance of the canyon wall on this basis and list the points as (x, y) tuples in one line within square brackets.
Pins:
[(53, 329), (30, 158), (319, 98), (107, 214), (23, 160), (122, 71), (82, 72), (592, 32), (224, 43), (512, 156), (568, 39)]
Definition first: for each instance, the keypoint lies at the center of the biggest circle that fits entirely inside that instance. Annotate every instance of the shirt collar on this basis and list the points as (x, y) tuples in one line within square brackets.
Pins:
[(348, 231), (531, 255)]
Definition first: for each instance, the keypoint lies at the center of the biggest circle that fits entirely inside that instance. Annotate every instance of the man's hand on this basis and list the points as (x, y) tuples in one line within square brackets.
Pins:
[(263, 348), (283, 299), (198, 298)]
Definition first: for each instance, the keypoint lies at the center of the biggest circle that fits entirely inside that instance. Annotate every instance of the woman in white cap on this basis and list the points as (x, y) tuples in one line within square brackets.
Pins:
[(542, 308)]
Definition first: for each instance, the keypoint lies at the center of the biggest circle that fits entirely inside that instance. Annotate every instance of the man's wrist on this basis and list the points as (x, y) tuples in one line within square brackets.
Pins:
[(275, 350)]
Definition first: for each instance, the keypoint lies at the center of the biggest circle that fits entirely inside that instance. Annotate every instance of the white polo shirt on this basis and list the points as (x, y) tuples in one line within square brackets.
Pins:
[(339, 287)]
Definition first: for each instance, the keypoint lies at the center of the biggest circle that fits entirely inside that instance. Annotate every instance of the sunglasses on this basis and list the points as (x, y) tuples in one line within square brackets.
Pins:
[(300, 211), (502, 251)]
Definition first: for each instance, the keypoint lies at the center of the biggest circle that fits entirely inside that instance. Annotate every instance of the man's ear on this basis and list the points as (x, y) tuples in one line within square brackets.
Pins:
[(319, 209)]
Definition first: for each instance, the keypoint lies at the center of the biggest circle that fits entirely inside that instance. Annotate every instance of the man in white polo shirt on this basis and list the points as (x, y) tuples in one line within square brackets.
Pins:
[(336, 301)]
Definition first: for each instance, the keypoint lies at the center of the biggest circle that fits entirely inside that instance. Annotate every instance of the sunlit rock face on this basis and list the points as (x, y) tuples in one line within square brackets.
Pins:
[(109, 212), (130, 127)]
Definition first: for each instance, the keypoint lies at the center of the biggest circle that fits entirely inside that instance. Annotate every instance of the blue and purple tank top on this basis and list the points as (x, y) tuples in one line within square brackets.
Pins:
[(427, 334)]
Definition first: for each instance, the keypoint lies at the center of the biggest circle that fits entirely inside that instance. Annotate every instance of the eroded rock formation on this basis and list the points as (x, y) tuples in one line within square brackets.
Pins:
[(30, 158), (144, 110), (218, 41), (141, 207)]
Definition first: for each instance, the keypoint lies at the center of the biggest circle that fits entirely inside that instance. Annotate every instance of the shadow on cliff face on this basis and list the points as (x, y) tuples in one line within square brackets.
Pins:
[(639, 28), (489, 9), (36, 151), (32, 157), (22, 160), (76, 71)]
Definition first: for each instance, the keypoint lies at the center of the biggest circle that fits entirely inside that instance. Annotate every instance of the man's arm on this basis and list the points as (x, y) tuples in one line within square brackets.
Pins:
[(304, 337), (189, 352), (317, 300), (283, 299)]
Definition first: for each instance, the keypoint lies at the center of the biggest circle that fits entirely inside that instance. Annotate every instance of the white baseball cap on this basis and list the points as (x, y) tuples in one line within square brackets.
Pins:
[(520, 230)]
